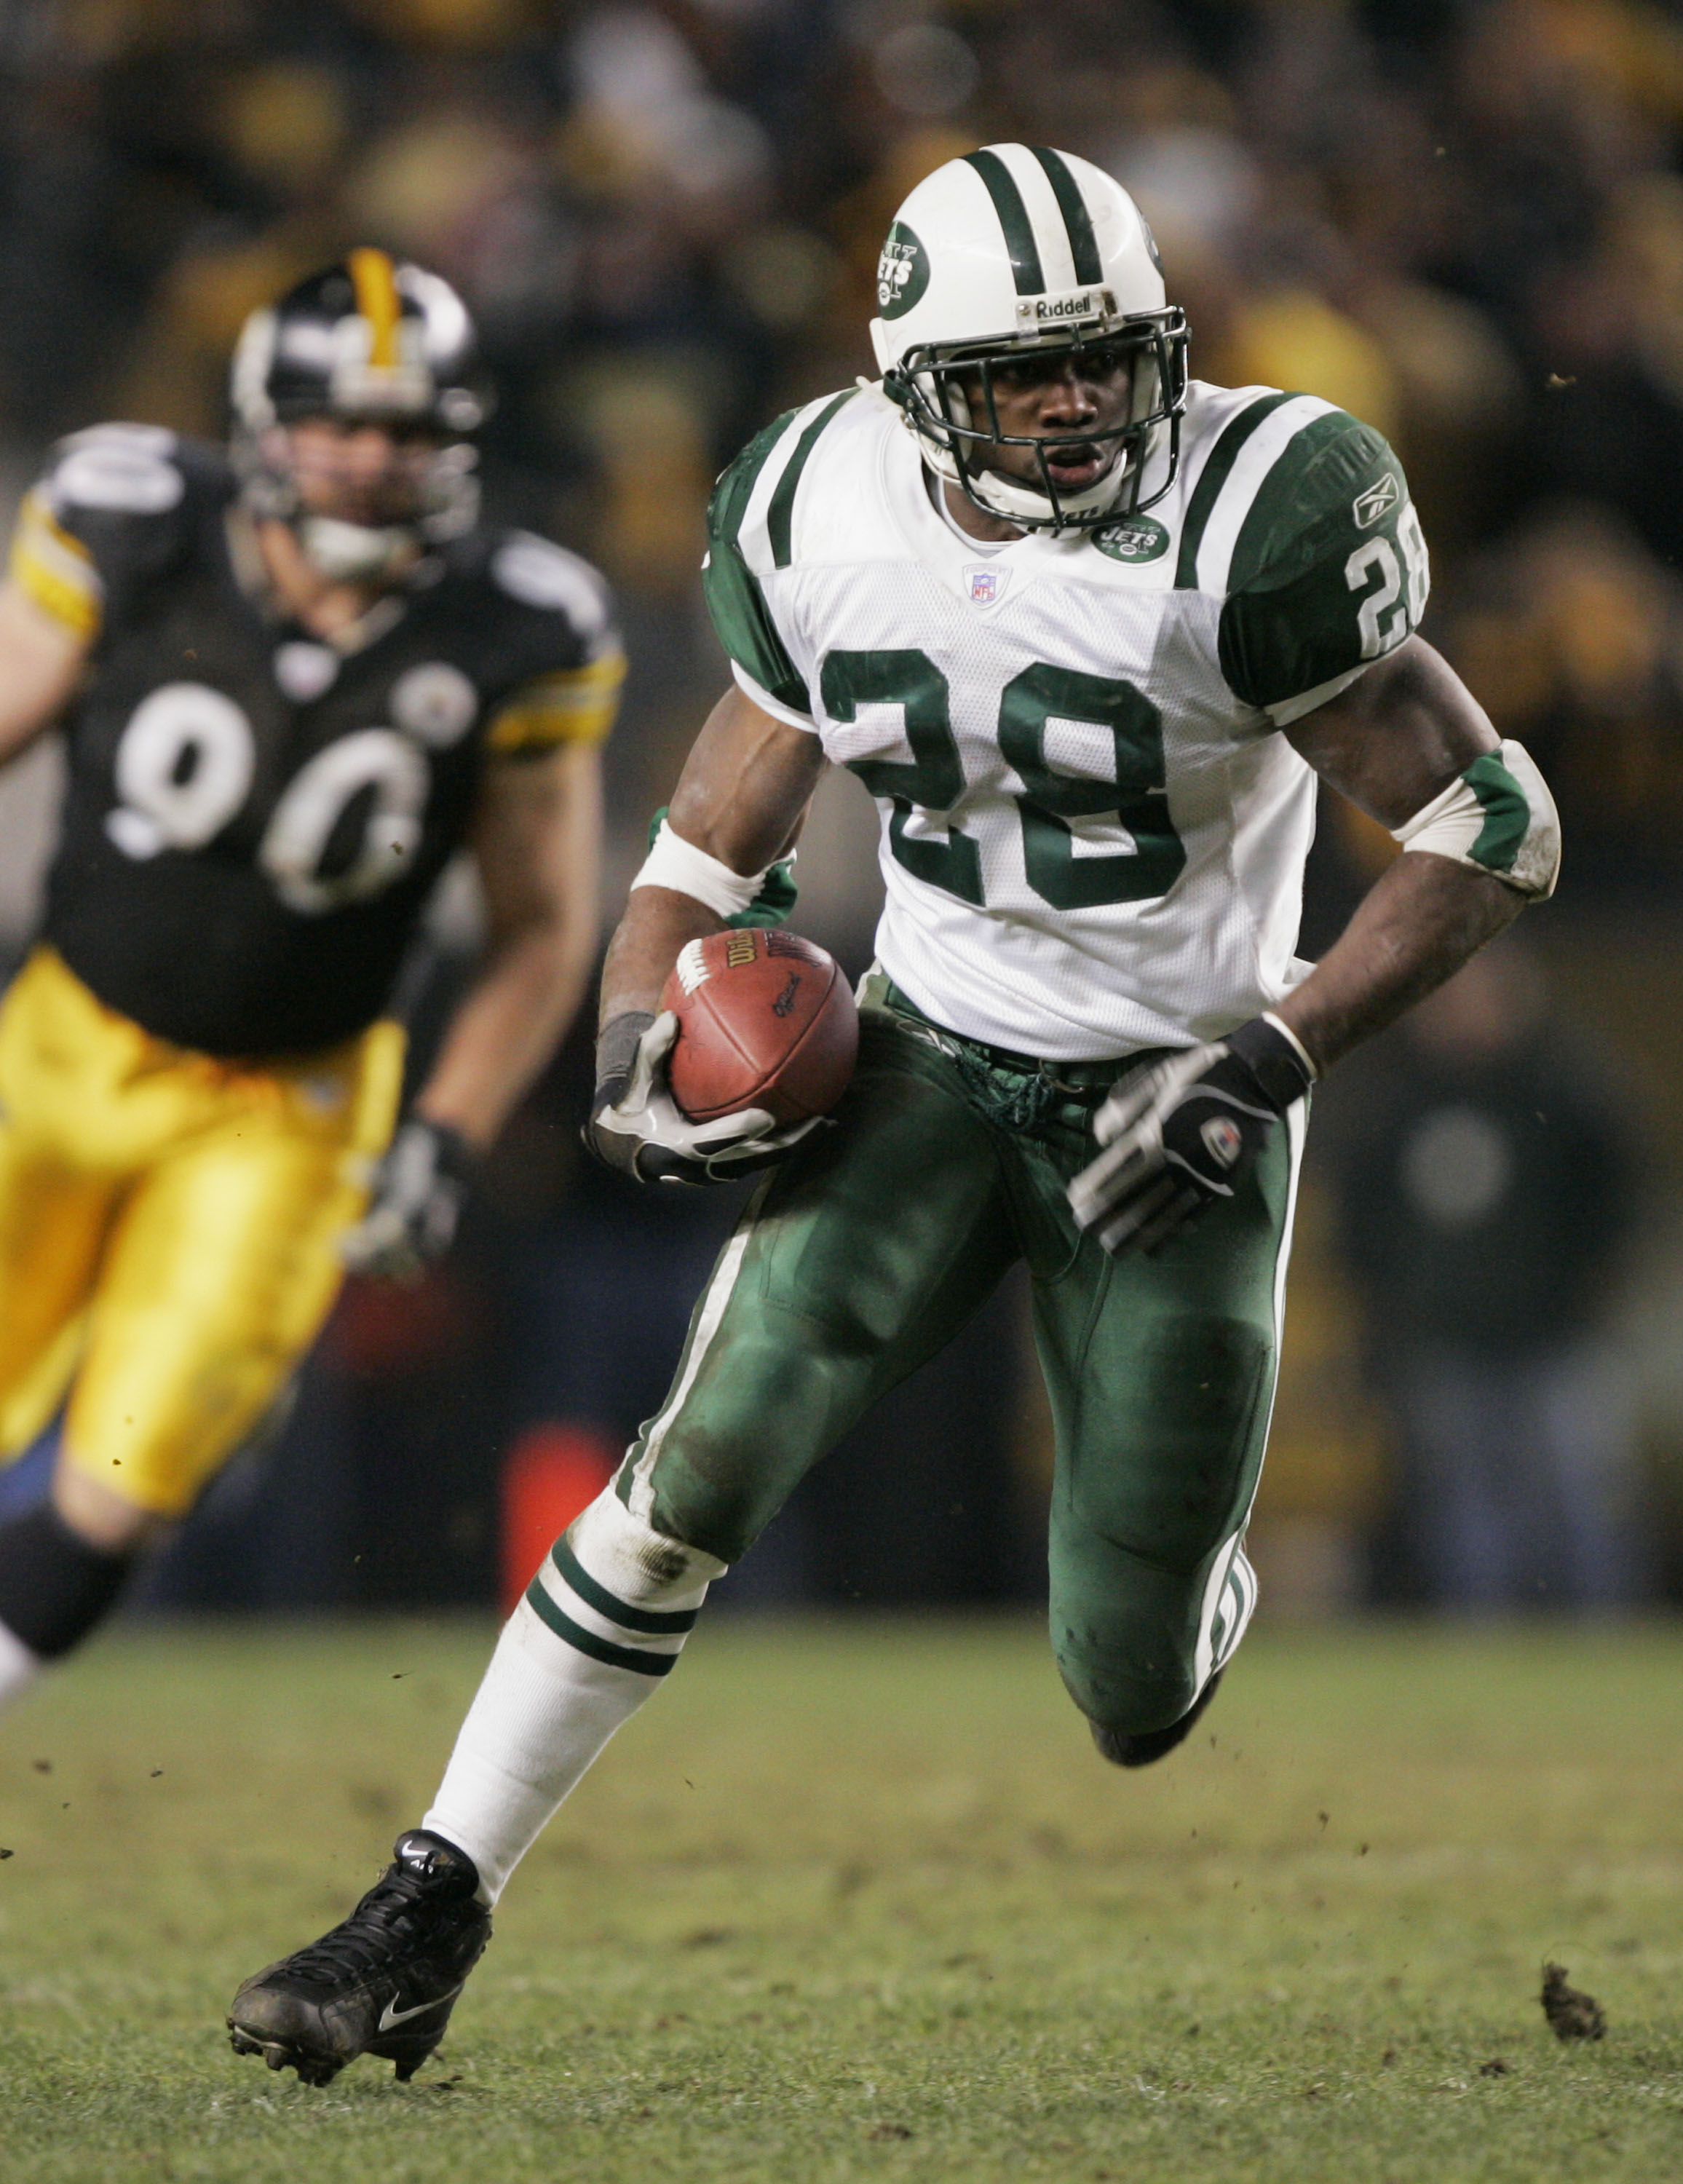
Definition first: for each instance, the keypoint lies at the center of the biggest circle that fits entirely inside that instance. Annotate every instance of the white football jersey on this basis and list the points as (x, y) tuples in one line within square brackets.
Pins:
[(1094, 834)]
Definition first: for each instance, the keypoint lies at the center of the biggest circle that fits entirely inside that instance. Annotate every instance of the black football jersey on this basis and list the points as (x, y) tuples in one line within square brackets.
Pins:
[(255, 817)]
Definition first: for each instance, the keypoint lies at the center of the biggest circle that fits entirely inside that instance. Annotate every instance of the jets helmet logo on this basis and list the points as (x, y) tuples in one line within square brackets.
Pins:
[(902, 272)]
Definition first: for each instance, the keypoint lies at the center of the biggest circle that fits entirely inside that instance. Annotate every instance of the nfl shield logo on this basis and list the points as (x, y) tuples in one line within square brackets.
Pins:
[(985, 585)]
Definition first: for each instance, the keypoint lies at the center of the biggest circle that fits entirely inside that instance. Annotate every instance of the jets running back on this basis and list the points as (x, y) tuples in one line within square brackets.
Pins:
[(1093, 839), (1091, 633)]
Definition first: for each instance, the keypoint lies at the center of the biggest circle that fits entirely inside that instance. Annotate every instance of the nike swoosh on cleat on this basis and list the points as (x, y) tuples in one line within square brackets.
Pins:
[(389, 2016)]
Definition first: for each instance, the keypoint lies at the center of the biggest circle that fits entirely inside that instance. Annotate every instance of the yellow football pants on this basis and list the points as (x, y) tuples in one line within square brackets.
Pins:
[(169, 1227)]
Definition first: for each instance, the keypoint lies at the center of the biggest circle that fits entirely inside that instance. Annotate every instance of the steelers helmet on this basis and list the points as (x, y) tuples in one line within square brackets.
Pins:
[(369, 340), (1017, 251)]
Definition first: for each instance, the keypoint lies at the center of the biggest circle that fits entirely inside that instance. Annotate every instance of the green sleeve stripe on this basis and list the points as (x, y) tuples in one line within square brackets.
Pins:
[(1211, 478), (1506, 809), (1019, 230), (780, 516), (1084, 244), (653, 1624), (587, 1642), (1256, 545), (736, 488)]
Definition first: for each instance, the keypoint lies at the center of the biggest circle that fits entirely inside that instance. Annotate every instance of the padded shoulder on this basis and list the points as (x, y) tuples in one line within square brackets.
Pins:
[(117, 504), (751, 532), (128, 492), (553, 636), (137, 470), (552, 582), (1328, 569), (1335, 480)]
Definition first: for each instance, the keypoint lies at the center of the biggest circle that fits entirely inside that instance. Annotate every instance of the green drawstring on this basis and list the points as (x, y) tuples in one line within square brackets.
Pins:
[(1013, 1101)]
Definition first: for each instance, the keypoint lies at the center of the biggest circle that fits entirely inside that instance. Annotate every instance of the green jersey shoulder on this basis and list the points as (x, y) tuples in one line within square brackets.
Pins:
[(752, 535), (1297, 518)]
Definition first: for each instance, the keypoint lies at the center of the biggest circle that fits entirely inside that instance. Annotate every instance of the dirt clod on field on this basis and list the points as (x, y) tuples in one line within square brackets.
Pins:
[(1572, 2014)]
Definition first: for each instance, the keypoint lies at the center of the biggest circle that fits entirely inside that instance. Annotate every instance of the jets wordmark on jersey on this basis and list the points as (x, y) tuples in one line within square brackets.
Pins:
[(1093, 833), (254, 816)]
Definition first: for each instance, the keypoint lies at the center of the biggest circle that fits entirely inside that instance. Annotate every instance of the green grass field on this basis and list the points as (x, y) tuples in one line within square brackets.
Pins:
[(857, 1900)]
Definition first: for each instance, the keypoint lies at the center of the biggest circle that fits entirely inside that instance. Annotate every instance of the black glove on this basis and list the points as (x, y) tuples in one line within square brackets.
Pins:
[(636, 1126), (1178, 1137), (417, 1200)]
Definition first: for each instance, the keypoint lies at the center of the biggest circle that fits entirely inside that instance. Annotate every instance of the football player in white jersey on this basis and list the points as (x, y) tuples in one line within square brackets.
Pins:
[(1091, 633)]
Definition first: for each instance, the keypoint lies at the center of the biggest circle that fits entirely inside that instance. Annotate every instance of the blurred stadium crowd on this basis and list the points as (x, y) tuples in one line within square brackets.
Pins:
[(1462, 219)]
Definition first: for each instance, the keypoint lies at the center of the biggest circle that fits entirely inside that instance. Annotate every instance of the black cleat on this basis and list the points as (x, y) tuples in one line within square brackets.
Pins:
[(384, 1982), (1126, 1751)]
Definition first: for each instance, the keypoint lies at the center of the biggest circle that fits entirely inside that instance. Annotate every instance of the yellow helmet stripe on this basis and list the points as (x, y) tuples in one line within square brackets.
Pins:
[(375, 281)]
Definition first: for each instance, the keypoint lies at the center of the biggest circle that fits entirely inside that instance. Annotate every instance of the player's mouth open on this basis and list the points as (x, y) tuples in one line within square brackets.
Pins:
[(1075, 466)]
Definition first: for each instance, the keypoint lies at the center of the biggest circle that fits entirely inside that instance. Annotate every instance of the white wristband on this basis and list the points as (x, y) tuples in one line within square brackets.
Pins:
[(679, 865), (1296, 1043)]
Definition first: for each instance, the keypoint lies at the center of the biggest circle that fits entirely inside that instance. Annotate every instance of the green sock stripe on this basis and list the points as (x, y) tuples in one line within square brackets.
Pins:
[(1084, 244), (780, 516), (1508, 814), (1019, 229), (653, 1622), (1213, 478), (587, 1642)]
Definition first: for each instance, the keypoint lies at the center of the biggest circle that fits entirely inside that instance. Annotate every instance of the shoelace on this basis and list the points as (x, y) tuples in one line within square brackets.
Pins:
[(384, 1914)]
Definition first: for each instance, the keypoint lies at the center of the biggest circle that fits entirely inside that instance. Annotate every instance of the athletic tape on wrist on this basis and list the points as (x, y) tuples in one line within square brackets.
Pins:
[(1497, 816), (679, 865)]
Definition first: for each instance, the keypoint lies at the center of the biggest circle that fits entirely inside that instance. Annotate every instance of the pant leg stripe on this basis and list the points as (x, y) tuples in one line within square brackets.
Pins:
[(1215, 1647), (640, 1493), (663, 1624), (587, 1642), (1209, 1620)]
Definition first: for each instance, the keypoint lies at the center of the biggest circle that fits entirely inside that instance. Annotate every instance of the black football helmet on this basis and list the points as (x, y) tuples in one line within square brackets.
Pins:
[(371, 340)]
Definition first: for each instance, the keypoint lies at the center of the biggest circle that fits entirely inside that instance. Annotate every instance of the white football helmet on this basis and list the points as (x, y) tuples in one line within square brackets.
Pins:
[(1015, 249)]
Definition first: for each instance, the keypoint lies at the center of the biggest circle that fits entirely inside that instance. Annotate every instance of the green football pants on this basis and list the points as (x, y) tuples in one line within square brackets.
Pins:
[(870, 1246)]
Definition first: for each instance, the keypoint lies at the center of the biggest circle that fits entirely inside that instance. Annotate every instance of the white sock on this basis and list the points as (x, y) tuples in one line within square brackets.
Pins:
[(19, 1667), (604, 1622)]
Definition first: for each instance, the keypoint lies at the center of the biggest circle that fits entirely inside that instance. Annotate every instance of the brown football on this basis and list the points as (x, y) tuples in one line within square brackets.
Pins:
[(765, 1020)]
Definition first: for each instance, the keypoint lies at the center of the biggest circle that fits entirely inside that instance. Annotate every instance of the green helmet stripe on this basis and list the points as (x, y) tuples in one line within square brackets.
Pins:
[(1084, 244), (1214, 476), (1019, 230), (780, 515)]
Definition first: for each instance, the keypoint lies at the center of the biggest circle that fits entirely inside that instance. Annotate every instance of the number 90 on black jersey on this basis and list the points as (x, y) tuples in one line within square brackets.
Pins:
[(254, 818)]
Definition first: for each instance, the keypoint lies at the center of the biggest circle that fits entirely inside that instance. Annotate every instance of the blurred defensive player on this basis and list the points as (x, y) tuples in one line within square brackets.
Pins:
[(1091, 635), (294, 679)]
